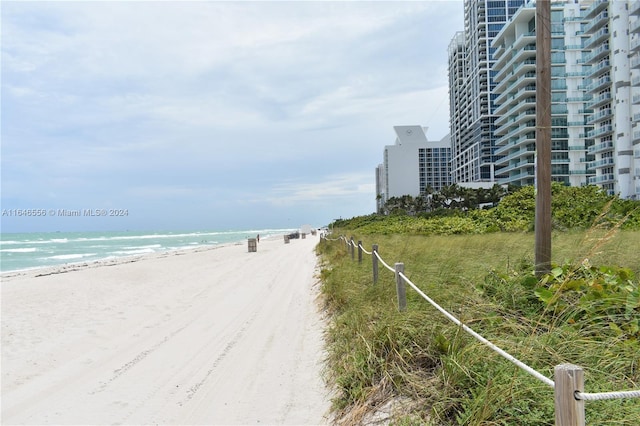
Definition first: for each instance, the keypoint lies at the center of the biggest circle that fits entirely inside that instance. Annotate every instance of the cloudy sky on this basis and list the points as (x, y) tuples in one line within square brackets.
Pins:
[(212, 115)]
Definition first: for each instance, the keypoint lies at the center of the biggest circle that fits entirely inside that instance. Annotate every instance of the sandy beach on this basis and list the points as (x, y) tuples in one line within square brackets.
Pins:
[(217, 336)]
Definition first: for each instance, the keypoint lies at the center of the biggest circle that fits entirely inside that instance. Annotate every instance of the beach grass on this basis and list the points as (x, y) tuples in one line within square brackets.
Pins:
[(377, 355)]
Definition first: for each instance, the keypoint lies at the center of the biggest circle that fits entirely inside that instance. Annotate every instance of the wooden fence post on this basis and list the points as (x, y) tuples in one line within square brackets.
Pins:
[(400, 288), (353, 252), (568, 379), (359, 251), (374, 260)]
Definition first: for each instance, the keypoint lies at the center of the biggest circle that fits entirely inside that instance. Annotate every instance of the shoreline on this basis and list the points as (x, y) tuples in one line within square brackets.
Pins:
[(62, 268), (40, 271), (24, 252)]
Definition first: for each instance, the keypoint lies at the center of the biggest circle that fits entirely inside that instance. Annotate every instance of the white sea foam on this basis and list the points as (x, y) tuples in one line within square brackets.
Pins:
[(20, 250), (132, 252), (150, 246), (71, 256)]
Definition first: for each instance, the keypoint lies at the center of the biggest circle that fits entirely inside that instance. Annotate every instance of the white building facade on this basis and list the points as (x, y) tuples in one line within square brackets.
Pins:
[(515, 76), (413, 165), (612, 31)]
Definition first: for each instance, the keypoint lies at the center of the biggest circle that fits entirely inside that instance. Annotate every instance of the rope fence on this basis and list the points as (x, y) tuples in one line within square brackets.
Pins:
[(383, 262), (568, 383)]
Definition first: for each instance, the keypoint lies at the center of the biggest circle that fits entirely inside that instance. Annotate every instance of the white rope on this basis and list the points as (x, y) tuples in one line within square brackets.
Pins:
[(385, 265), (607, 395), (509, 357), (363, 249)]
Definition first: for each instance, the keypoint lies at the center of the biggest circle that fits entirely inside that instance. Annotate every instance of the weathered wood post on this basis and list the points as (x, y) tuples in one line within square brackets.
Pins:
[(543, 139), (351, 249), (374, 260), (359, 251), (400, 288), (568, 379)]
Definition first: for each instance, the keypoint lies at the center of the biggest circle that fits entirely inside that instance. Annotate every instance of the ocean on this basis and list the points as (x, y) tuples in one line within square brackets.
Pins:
[(38, 250)]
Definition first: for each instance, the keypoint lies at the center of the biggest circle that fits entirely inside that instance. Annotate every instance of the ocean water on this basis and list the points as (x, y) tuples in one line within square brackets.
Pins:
[(38, 250)]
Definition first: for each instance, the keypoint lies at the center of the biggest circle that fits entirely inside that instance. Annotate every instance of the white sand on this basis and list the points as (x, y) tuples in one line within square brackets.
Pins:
[(217, 336)]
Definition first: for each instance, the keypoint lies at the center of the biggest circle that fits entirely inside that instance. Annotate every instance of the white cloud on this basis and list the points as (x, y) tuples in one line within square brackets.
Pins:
[(333, 187), (292, 101)]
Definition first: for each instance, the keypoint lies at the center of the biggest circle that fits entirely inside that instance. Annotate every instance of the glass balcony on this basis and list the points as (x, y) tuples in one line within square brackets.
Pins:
[(598, 21), (599, 36), (596, 7), (601, 179), (600, 163), (601, 147), (600, 131), (597, 53), (600, 116), (599, 68), (599, 84), (599, 100)]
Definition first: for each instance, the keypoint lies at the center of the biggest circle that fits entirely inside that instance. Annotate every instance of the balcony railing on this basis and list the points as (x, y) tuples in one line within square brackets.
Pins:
[(599, 68), (597, 53), (595, 8), (596, 22), (599, 100), (604, 146), (599, 116), (601, 179), (600, 163), (603, 130), (600, 35), (599, 83)]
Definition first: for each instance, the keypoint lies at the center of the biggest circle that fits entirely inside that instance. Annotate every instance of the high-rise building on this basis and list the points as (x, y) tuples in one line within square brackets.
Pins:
[(612, 30), (434, 165), (515, 76), (413, 165), (595, 77), (471, 90)]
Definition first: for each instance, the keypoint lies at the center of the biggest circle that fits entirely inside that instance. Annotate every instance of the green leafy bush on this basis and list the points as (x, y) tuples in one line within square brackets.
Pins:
[(587, 296)]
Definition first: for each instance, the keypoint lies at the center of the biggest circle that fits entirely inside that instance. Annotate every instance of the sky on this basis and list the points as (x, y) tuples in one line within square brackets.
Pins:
[(208, 115)]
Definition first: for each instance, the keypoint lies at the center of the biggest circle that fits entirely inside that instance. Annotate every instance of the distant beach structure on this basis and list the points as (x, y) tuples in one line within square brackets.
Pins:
[(306, 229)]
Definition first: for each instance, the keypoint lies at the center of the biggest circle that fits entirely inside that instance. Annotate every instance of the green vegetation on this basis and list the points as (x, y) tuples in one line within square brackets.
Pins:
[(585, 312), (572, 207)]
